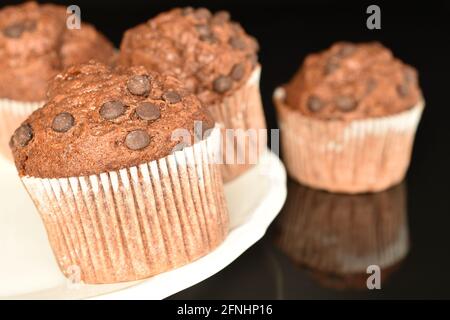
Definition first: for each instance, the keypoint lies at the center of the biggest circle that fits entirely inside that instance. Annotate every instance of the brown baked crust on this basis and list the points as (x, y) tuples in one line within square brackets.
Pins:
[(353, 81), (195, 46), (72, 136), (44, 47)]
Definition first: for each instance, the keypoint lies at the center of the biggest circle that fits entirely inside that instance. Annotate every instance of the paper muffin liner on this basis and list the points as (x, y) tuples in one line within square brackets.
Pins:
[(355, 156), (135, 222), (243, 113), (12, 114), (344, 234)]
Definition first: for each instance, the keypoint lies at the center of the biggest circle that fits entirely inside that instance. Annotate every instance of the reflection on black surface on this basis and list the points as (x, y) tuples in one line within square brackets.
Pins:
[(327, 242), (336, 237)]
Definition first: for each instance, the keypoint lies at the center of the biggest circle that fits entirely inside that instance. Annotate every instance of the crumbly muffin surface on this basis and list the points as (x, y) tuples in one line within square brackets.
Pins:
[(100, 119), (212, 55), (35, 44), (353, 81)]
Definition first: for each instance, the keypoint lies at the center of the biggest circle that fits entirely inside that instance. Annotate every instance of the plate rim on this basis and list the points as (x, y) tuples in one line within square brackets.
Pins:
[(241, 237)]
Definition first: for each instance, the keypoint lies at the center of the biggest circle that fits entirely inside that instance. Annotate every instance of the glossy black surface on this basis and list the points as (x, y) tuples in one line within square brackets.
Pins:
[(320, 246), (418, 33)]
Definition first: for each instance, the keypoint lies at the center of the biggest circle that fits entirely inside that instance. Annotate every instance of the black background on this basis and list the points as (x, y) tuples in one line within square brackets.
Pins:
[(418, 33)]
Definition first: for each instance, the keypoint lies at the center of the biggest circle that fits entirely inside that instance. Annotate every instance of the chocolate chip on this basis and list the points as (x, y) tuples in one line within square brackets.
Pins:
[(14, 31), (63, 122), (315, 104), (202, 13), (148, 111), (410, 76), (346, 103), (22, 136), (205, 33), (210, 38), (331, 66), (222, 84), (112, 110), (220, 17), (137, 140), (139, 85), (237, 43), (203, 29), (187, 11), (171, 97), (403, 89), (237, 72), (253, 59), (333, 62), (346, 50)]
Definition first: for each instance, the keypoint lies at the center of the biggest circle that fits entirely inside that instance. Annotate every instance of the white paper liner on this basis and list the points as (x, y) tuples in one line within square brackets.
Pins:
[(357, 156), (12, 114), (243, 110), (136, 222)]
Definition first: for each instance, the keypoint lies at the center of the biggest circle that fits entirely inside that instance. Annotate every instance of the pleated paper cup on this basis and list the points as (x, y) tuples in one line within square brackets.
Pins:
[(344, 234), (12, 114), (352, 157), (243, 125), (136, 222)]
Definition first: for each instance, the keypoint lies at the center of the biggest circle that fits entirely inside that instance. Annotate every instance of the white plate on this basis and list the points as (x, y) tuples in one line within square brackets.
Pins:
[(28, 269)]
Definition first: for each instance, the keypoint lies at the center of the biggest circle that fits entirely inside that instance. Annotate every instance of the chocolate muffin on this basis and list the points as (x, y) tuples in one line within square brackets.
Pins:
[(338, 236), (214, 58), (35, 44), (119, 163), (348, 118)]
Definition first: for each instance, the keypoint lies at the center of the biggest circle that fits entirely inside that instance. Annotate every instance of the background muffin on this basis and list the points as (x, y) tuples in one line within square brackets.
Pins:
[(100, 162), (353, 81), (35, 44), (348, 118), (215, 59)]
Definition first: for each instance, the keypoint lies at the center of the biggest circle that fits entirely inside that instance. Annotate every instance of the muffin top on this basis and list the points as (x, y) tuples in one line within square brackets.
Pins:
[(353, 81), (212, 55), (35, 44), (99, 118)]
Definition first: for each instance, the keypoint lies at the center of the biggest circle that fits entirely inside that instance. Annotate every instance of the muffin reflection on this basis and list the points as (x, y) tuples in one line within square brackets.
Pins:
[(338, 236), (350, 281)]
